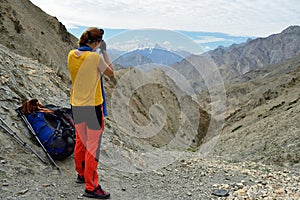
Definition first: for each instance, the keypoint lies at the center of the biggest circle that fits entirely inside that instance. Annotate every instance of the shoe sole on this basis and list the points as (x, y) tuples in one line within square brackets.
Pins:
[(85, 194), (80, 182)]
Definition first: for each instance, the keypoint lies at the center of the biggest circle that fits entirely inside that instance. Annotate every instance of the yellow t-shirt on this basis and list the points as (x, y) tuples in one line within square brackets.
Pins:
[(85, 76)]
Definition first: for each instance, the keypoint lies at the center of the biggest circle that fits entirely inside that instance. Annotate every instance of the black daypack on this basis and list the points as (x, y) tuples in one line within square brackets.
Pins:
[(54, 127)]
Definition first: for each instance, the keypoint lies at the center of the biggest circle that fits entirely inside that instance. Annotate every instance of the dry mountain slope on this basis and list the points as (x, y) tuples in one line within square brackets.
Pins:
[(263, 116), (28, 31), (141, 99)]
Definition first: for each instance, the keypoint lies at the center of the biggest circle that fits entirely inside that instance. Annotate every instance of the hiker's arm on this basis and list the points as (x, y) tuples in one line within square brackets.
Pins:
[(105, 68), (105, 55), (107, 60)]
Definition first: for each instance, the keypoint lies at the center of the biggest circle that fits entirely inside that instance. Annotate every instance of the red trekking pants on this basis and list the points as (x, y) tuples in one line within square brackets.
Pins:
[(89, 129)]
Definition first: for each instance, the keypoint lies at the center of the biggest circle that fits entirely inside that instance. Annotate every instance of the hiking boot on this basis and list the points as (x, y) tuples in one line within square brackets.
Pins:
[(80, 179), (98, 193)]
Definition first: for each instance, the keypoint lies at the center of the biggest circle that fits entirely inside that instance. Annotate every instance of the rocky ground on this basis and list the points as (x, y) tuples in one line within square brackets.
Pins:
[(190, 177)]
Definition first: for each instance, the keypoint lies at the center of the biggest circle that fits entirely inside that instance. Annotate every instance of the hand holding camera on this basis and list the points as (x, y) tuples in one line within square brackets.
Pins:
[(103, 45)]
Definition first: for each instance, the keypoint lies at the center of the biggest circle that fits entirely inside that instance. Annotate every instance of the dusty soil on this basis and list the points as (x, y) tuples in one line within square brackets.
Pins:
[(190, 177)]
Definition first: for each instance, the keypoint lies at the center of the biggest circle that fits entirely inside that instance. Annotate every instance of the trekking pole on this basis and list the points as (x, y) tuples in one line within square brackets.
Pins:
[(5, 127), (21, 114)]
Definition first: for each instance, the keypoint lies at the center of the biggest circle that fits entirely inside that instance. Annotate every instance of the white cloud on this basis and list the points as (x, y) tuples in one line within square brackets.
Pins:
[(206, 39), (236, 17), (124, 46)]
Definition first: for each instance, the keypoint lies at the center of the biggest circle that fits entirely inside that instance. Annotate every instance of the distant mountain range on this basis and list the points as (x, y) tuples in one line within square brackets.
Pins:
[(206, 40), (156, 55), (131, 48), (259, 52), (234, 61)]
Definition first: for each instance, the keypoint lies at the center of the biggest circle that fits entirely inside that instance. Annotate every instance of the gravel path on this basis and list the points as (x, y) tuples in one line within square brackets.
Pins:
[(188, 178)]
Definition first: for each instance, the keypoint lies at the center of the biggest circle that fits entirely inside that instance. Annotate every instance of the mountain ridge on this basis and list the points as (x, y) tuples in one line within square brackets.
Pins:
[(259, 52), (156, 55), (22, 32)]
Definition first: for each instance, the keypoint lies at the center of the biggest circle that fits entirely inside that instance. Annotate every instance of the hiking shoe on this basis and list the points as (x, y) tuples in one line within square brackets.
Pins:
[(98, 193), (80, 179)]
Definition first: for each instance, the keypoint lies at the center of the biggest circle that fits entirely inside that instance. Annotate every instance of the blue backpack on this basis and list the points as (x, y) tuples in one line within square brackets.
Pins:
[(55, 130)]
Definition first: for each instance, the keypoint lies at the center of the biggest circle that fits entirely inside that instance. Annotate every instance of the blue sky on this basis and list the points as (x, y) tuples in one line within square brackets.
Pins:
[(225, 21)]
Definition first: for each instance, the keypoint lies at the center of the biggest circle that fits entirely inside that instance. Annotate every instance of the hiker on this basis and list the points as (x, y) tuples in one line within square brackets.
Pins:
[(86, 99)]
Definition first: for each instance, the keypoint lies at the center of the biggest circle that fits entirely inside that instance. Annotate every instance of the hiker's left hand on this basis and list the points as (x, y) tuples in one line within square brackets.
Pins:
[(103, 45)]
